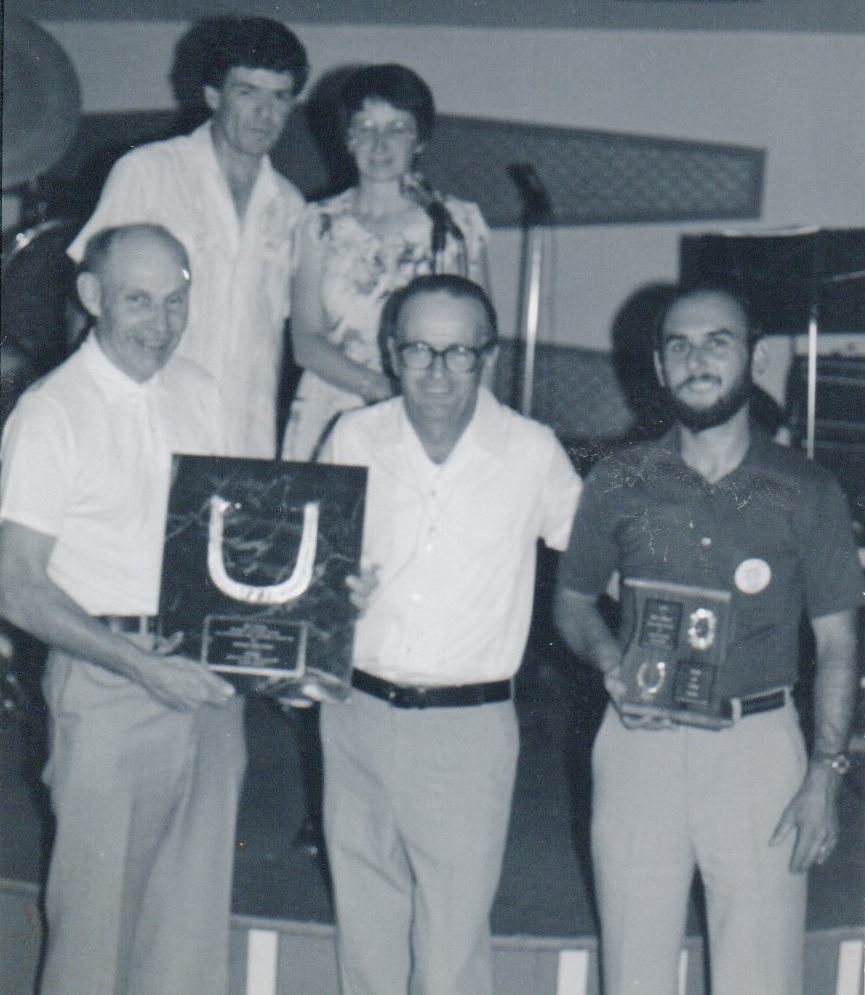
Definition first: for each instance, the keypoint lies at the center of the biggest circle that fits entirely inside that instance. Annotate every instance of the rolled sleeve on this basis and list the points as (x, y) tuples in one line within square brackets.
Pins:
[(834, 580), (592, 554), (38, 457), (561, 497)]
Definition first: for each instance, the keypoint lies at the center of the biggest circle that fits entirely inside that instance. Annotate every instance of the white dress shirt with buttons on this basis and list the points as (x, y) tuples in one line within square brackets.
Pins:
[(240, 272), (455, 543)]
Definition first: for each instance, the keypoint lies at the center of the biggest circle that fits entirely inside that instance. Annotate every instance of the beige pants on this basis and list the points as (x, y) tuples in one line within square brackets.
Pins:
[(417, 804), (667, 801), (139, 887)]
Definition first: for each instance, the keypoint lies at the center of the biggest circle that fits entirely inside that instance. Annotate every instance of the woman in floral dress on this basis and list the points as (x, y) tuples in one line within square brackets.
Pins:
[(356, 248)]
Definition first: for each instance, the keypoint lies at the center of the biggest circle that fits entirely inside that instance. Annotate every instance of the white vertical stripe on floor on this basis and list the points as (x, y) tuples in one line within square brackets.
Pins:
[(573, 972), (849, 968), (683, 972), (261, 955)]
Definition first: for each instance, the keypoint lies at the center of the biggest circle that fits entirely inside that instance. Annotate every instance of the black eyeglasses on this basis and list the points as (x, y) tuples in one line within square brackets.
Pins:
[(457, 358)]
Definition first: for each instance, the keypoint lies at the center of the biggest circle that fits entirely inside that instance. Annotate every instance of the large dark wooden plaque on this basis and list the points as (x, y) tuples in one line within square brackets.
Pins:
[(256, 557)]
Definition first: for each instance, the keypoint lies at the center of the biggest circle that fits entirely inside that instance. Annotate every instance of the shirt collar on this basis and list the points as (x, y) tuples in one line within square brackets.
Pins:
[(266, 184), (760, 451), (202, 142), (110, 377), (485, 428), (480, 438)]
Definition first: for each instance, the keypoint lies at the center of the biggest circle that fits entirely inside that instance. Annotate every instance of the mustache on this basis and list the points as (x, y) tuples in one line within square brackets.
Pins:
[(699, 378)]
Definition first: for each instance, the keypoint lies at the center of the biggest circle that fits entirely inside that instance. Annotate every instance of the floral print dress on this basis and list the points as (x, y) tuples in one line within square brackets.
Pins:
[(360, 272)]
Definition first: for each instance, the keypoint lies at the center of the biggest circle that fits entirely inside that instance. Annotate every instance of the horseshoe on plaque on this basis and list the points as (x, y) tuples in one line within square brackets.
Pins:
[(253, 594)]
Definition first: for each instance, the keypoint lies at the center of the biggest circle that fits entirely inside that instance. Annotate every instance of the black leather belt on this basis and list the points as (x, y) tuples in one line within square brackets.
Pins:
[(142, 624), (409, 696), (767, 701)]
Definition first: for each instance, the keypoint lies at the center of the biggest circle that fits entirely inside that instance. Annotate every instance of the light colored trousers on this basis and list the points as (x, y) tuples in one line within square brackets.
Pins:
[(416, 810), (667, 801), (139, 888)]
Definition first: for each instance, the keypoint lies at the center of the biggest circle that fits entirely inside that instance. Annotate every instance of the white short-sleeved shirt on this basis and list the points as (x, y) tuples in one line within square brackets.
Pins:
[(86, 457), (455, 543), (239, 299)]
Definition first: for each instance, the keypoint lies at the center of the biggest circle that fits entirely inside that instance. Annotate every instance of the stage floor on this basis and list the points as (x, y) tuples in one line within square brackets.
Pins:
[(545, 891)]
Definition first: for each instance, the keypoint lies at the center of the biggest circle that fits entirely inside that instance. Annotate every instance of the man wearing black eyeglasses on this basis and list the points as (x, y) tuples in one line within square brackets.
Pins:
[(420, 765)]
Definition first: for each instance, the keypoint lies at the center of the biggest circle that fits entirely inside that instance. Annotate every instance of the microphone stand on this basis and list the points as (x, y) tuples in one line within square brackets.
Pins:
[(421, 191), (537, 212), (439, 215)]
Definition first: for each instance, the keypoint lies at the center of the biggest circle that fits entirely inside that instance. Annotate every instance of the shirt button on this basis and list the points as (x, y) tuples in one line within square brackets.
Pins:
[(705, 541)]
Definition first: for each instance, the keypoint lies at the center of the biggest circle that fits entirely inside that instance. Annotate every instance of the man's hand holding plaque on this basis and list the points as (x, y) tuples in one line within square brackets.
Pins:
[(302, 694), (617, 689)]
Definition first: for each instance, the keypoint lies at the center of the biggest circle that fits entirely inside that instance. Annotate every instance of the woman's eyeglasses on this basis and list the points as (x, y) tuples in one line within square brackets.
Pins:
[(369, 131)]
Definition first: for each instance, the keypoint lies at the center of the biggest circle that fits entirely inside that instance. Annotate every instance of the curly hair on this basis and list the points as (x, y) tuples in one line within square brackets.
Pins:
[(212, 47), (394, 84)]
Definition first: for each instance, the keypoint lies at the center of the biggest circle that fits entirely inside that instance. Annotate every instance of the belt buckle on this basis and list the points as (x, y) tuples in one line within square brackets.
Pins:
[(146, 626), (400, 696), (408, 696), (131, 625), (732, 709)]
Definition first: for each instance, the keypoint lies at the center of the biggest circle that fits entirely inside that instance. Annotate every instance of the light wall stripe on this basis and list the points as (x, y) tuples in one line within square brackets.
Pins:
[(683, 972), (262, 953), (849, 968), (573, 976)]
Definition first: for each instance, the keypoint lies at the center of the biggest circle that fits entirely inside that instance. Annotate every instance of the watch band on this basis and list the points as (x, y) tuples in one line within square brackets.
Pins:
[(838, 763)]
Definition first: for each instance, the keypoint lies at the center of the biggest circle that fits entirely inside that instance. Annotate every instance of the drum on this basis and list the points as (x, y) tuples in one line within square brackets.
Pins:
[(38, 283), (38, 304)]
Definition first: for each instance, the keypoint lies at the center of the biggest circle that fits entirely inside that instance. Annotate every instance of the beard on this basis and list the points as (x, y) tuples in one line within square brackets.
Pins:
[(699, 419)]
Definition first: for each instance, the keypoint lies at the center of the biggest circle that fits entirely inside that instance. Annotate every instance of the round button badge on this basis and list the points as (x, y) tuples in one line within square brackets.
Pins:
[(752, 576)]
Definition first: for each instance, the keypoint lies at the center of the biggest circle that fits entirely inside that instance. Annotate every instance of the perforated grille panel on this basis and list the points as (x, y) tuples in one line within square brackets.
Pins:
[(594, 177), (576, 391), (591, 177)]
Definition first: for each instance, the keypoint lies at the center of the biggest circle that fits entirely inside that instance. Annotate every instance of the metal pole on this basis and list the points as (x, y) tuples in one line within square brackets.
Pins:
[(537, 211), (811, 417), (533, 309)]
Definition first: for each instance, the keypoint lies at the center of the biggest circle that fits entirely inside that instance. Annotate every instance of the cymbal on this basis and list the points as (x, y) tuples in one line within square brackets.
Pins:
[(41, 101)]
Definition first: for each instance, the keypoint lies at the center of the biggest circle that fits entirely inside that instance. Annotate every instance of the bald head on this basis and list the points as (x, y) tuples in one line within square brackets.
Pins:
[(100, 246), (135, 282)]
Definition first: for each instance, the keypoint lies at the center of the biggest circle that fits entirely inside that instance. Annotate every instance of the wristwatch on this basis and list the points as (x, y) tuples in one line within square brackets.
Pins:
[(838, 764)]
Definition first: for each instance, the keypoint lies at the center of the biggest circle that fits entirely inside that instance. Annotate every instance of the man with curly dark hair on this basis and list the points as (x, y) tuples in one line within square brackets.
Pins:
[(216, 191)]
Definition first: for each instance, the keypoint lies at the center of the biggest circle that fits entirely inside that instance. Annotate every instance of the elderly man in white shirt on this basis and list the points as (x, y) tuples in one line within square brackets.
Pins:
[(217, 192), (146, 747), (420, 765)]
